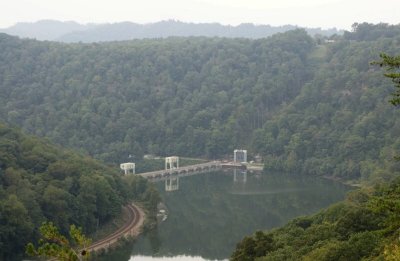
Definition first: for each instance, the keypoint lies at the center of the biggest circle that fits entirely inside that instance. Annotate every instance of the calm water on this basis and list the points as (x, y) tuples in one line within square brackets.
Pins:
[(208, 214)]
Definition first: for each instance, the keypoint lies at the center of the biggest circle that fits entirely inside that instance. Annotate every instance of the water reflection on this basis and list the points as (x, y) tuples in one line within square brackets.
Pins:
[(239, 175), (172, 184), (209, 213)]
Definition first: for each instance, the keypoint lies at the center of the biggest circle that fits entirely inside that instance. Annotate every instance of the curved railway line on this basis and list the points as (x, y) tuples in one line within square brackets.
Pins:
[(130, 228)]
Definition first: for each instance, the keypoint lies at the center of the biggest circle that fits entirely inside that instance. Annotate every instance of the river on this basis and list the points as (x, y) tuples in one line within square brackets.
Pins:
[(209, 213)]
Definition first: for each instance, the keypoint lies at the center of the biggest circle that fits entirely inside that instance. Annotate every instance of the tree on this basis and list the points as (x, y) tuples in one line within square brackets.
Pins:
[(392, 66), (253, 247), (15, 226), (53, 244)]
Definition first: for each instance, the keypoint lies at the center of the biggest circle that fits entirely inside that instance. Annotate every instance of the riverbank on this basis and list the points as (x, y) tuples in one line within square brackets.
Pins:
[(347, 183)]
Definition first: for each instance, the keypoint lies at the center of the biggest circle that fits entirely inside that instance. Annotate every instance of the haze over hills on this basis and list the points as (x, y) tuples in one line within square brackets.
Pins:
[(44, 29), (74, 32)]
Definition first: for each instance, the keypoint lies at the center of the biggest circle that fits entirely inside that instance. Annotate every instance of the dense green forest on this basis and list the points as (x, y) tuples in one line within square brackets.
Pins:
[(40, 182), (306, 105), (363, 227), (177, 96)]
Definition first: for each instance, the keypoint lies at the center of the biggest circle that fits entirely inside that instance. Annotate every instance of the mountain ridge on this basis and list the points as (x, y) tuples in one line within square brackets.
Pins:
[(71, 31), (306, 106)]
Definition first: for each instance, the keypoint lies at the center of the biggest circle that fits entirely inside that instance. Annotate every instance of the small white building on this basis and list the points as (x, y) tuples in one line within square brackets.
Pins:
[(128, 168), (240, 156)]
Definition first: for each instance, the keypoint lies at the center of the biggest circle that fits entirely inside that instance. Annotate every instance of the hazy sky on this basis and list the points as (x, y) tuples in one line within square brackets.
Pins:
[(311, 13)]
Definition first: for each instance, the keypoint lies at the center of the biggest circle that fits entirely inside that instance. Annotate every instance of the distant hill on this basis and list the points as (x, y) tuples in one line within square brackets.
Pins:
[(45, 29), (74, 32)]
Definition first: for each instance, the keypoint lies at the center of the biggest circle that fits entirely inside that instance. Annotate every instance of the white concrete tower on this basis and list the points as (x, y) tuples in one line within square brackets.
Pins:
[(240, 156), (128, 168), (171, 162)]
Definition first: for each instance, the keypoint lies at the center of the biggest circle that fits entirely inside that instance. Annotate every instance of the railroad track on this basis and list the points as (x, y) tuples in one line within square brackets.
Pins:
[(133, 220), (135, 216)]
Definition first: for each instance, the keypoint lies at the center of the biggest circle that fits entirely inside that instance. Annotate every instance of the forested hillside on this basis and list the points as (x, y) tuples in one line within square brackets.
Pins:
[(185, 96), (363, 227), (40, 182), (305, 105), (340, 124)]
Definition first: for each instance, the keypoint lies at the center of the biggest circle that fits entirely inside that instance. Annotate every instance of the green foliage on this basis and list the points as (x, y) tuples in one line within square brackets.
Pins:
[(251, 248), (392, 66), (152, 198), (364, 227), (40, 182), (303, 110), (54, 244), (184, 96), (339, 125), (370, 32), (322, 114), (386, 204), (16, 226)]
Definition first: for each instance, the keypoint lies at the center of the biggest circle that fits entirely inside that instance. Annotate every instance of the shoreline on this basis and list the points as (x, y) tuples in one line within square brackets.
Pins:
[(347, 183)]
